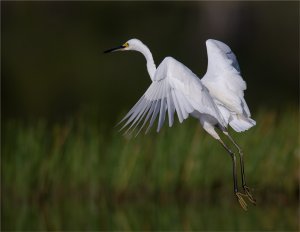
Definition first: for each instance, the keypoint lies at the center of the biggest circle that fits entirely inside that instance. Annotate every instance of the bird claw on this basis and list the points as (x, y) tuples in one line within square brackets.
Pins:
[(241, 200), (249, 195)]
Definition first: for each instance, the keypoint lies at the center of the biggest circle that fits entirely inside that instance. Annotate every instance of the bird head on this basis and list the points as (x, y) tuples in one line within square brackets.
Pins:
[(132, 44)]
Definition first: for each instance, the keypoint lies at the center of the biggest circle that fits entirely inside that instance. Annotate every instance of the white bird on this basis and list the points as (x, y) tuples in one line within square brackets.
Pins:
[(217, 100)]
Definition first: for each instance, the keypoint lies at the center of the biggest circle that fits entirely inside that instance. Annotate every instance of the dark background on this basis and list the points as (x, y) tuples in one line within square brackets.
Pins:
[(53, 65), (64, 166)]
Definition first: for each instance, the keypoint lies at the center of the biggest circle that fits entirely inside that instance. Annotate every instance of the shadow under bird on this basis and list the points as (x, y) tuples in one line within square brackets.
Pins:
[(217, 100)]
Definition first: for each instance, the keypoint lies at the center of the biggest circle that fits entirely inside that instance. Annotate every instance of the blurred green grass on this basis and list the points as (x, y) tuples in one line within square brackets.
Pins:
[(81, 175)]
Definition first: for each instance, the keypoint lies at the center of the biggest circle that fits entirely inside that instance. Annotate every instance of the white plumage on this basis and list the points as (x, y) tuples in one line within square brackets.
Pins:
[(175, 88), (217, 100), (226, 85)]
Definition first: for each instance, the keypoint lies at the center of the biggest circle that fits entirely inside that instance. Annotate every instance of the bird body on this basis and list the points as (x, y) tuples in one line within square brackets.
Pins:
[(217, 100)]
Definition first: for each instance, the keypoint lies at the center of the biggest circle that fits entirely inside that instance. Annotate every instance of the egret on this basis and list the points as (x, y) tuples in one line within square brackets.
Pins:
[(217, 100)]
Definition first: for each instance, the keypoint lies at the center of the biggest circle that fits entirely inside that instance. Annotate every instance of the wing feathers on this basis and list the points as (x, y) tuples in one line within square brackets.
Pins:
[(174, 89), (162, 111), (155, 112), (134, 112), (159, 99), (138, 118), (179, 114), (147, 117), (226, 85), (171, 109)]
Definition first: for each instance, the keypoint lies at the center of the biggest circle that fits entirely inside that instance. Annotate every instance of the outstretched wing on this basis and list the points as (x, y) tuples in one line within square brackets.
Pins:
[(175, 88), (226, 85), (223, 77)]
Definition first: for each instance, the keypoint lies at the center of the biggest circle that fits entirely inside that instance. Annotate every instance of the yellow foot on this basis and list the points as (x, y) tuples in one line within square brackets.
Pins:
[(241, 200), (249, 195)]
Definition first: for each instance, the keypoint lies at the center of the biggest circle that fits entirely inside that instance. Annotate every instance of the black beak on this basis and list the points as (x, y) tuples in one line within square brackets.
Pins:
[(114, 49)]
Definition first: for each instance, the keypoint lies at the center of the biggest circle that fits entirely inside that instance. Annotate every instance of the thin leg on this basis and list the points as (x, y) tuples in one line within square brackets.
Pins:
[(245, 187), (235, 184)]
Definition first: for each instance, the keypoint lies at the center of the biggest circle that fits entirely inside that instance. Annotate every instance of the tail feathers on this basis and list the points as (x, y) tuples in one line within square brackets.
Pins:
[(240, 124)]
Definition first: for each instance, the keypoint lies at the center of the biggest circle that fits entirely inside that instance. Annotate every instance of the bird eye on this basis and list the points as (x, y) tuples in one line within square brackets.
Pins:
[(126, 45)]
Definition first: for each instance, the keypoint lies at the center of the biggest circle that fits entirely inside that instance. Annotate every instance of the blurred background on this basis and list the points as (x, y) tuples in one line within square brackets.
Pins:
[(65, 166)]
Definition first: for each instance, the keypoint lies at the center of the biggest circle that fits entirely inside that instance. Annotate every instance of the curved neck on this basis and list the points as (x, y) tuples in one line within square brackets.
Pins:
[(151, 67)]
